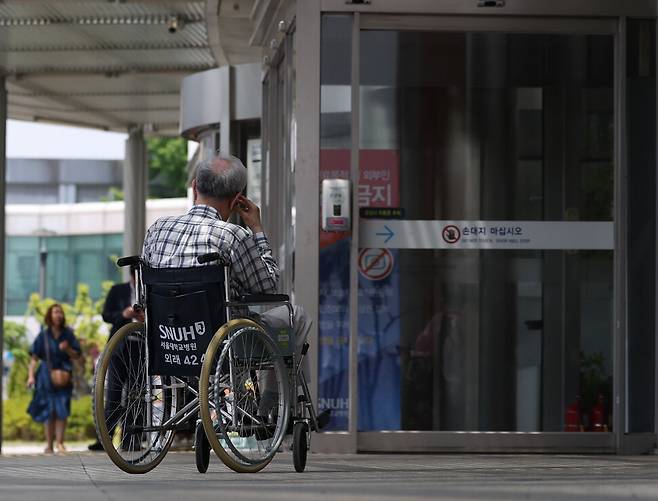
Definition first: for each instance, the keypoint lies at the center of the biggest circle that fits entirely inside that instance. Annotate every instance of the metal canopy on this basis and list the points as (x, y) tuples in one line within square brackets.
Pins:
[(115, 64)]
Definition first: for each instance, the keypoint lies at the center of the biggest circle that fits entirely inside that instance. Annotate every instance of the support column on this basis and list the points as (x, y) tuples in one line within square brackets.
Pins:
[(307, 183), (3, 156), (225, 112), (135, 186)]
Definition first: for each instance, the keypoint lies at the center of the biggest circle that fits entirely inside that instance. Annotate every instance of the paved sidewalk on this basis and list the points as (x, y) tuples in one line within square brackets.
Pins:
[(20, 448), (89, 476)]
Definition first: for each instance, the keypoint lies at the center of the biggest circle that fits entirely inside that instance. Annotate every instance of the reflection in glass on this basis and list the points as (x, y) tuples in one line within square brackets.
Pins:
[(494, 127), (334, 258)]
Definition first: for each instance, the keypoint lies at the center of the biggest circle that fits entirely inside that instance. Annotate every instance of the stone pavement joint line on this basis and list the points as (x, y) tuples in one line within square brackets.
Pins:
[(84, 468)]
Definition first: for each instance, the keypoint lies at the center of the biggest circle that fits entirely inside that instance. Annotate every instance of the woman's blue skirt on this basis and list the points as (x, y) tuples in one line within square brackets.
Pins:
[(48, 401)]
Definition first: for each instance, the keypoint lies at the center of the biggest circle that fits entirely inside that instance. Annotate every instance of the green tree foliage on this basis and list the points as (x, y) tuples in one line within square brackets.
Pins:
[(15, 336), (167, 159), (113, 195)]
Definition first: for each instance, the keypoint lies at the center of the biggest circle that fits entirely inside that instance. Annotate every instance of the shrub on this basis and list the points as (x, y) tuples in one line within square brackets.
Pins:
[(17, 424), (15, 339), (81, 420), (18, 377)]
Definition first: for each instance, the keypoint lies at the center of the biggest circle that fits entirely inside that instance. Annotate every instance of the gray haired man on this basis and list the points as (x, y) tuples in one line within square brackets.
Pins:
[(177, 241)]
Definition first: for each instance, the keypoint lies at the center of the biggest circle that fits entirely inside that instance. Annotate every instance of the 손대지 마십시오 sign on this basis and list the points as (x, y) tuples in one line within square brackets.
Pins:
[(537, 235)]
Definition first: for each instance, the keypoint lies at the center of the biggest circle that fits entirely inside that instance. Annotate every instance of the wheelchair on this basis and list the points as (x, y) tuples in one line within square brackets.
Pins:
[(240, 389)]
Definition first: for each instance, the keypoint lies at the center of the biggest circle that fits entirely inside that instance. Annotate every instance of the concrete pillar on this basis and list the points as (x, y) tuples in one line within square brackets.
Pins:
[(225, 114), (3, 151), (135, 185)]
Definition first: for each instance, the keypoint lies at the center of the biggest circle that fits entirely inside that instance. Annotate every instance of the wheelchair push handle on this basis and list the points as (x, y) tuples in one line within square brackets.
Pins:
[(128, 261), (208, 258)]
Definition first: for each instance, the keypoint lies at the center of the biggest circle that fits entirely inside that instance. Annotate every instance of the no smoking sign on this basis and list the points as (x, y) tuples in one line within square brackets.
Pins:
[(375, 264)]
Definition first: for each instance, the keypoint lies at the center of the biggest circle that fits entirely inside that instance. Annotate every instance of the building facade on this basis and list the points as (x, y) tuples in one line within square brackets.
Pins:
[(50, 181), (50, 249), (493, 288)]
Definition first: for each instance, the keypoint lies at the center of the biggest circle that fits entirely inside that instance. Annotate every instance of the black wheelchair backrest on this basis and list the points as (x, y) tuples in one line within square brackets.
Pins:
[(184, 307)]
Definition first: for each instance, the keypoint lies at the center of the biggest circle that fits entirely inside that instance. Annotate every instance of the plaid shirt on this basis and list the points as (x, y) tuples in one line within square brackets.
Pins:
[(176, 242)]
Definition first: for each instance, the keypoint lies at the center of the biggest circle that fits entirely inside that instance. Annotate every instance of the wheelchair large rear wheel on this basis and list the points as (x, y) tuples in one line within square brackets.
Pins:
[(130, 406), (244, 396)]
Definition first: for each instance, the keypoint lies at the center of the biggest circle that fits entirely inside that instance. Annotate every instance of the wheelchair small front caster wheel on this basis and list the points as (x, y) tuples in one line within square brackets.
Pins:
[(300, 446), (201, 449)]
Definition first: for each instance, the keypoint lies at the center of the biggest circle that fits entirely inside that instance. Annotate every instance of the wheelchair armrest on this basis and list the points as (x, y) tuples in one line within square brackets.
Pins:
[(259, 299), (208, 258), (264, 298), (128, 260)]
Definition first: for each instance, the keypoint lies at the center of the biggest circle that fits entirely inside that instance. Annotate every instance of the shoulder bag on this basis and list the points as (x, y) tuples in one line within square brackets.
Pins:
[(60, 378)]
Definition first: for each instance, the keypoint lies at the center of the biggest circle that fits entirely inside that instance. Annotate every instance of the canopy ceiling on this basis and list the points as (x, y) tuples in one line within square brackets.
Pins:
[(115, 64)]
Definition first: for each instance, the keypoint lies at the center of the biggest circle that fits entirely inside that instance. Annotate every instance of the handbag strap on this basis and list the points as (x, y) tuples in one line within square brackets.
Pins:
[(47, 347)]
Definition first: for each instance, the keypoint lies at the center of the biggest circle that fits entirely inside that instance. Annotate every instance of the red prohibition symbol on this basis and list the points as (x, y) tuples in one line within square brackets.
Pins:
[(375, 264), (451, 234)]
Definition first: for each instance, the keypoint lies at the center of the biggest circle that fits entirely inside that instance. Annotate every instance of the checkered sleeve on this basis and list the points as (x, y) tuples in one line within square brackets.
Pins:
[(253, 265), (152, 249)]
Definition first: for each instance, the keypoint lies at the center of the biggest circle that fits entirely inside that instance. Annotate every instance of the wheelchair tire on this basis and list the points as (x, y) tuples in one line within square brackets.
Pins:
[(201, 449), (247, 430), (121, 382), (300, 445)]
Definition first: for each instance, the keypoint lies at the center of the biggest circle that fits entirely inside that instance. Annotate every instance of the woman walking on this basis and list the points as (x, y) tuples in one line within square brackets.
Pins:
[(56, 347)]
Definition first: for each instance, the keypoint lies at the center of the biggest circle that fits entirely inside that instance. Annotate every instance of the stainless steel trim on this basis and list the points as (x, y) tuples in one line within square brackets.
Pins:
[(581, 8), (307, 174), (199, 89), (427, 441), (620, 379), (594, 26), (655, 426), (334, 442), (353, 374), (507, 441)]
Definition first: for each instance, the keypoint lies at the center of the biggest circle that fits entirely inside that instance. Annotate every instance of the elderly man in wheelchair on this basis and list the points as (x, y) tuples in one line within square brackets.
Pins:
[(202, 354)]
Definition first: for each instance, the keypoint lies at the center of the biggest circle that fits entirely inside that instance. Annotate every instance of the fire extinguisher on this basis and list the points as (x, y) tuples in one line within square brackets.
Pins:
[(598, 419), (573, 419)]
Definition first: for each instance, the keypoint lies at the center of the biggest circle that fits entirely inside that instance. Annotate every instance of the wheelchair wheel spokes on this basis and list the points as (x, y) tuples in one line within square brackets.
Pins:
[(246, 396), (249, 426), (130, 406)]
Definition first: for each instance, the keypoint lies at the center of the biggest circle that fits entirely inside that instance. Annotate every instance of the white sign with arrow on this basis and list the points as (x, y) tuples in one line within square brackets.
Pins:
[(402, 234)]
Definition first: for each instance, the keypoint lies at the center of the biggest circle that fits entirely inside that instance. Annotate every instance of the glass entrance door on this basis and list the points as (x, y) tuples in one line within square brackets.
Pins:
[(486, 173)]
